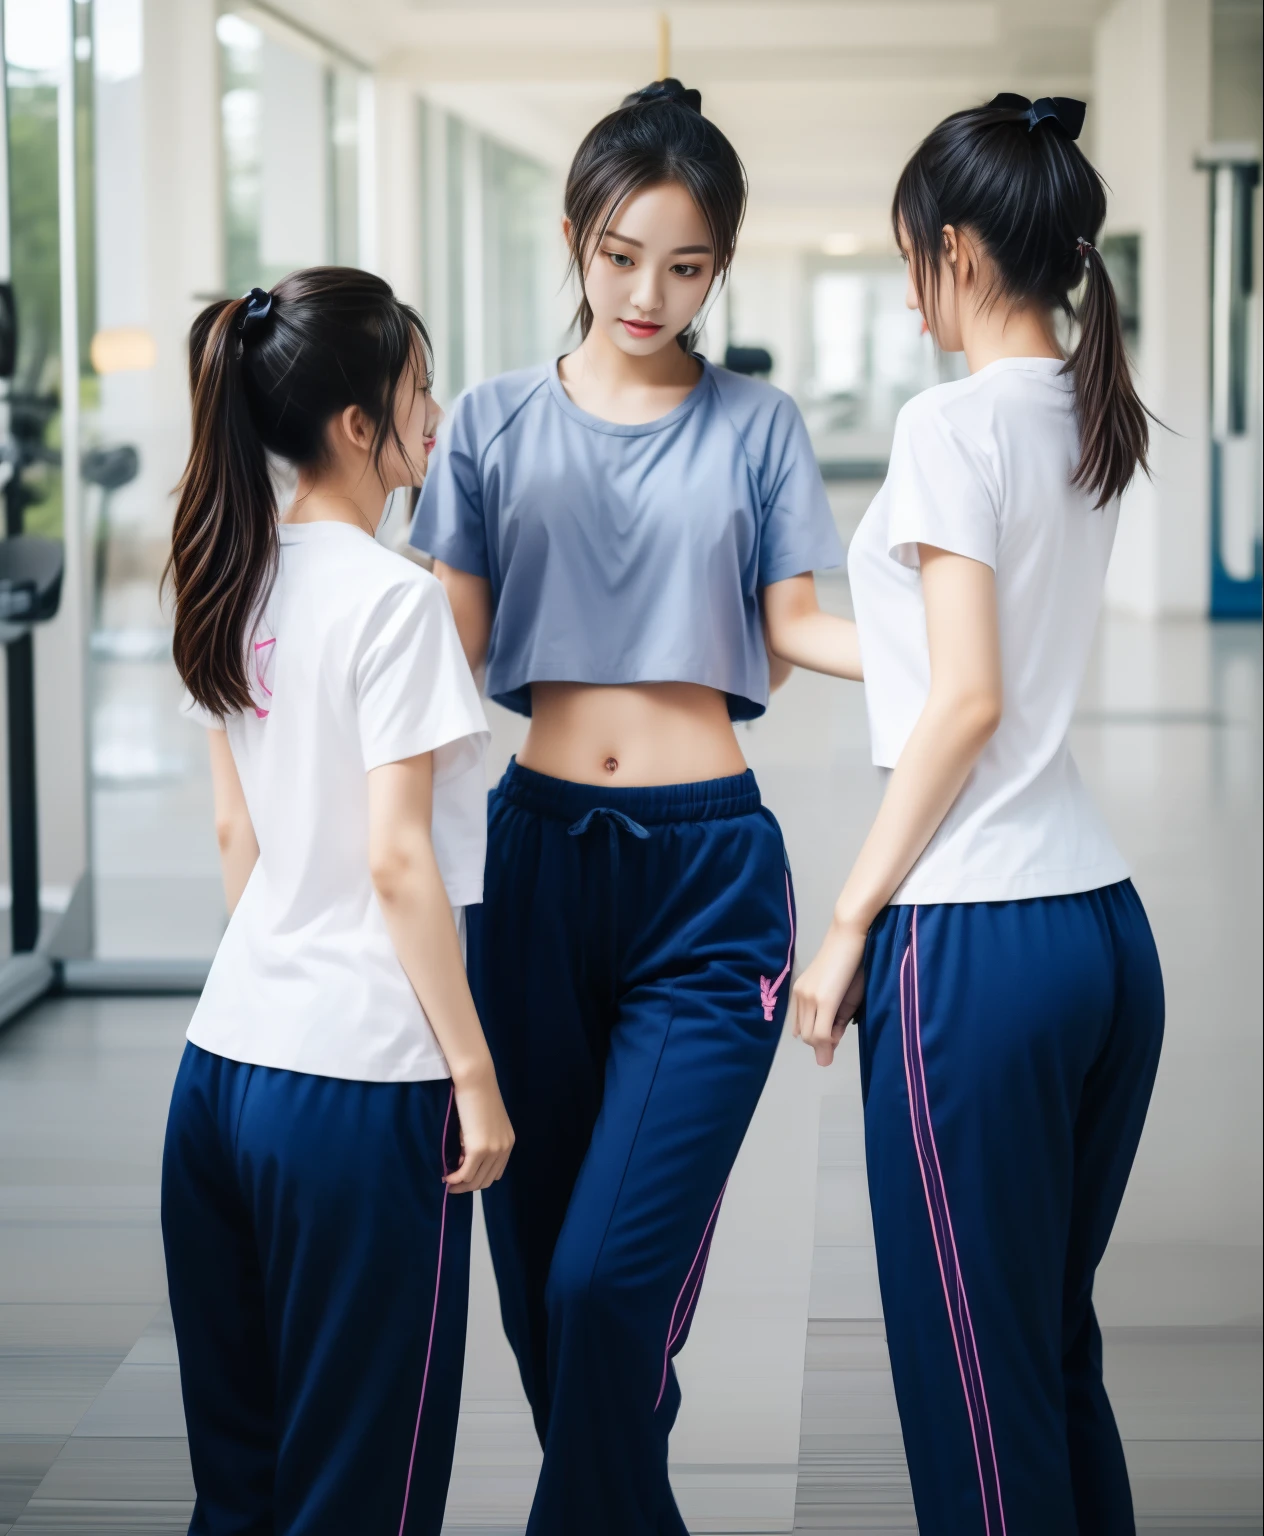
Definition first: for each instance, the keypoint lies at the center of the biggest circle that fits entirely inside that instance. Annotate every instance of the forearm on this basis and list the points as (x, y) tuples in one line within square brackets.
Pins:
[(238, 855), (936, 761), (420, 921), (821, 642)]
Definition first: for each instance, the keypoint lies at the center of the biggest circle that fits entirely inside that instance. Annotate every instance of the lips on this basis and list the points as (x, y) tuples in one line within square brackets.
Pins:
[(641, 330)]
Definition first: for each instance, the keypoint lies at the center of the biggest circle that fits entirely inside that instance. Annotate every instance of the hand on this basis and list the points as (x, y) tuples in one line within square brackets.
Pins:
[(487, 1137), (828, 993)]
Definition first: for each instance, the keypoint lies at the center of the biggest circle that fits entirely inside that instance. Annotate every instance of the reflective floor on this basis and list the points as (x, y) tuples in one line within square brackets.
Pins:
[(789, 1419)]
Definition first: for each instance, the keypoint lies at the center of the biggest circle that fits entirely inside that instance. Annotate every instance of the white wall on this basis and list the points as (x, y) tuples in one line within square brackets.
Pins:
[(1152, 110)]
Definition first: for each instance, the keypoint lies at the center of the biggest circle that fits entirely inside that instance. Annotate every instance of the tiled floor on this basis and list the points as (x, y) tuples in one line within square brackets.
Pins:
[(91, 1433)]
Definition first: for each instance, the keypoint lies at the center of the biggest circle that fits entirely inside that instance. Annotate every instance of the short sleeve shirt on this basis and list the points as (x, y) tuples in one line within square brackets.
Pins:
[(982, 468), (356, 663), (627, 554)]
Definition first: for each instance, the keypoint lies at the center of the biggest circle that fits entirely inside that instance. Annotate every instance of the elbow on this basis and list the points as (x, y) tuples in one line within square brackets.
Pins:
[(392, 869), (230, 833), (978, 715)]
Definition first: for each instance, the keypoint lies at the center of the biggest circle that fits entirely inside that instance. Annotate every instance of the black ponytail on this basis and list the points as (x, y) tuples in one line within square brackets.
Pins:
[(657, 135), (267, 373), (1011, 174)]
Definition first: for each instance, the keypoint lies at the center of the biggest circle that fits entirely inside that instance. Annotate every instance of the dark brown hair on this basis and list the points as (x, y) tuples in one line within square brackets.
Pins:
[(1012, 177), (657, 135), (267, 373)]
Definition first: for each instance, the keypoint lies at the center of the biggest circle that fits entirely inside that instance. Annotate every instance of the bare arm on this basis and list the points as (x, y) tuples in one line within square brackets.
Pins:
[(800, 634), (419, 919), (962, 712), (778, 670), (470, 598), (238, 846)]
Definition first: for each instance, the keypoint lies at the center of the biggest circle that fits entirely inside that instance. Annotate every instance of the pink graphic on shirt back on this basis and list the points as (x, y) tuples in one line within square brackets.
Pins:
[(264, 657)]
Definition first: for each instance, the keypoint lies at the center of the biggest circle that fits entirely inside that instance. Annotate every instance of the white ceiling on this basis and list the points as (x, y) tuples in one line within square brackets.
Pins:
[(823, 100)]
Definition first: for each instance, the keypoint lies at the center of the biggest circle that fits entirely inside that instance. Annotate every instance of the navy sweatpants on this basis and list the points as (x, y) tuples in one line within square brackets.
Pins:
[(631, 965), (1007, 1055), (318, 1275)]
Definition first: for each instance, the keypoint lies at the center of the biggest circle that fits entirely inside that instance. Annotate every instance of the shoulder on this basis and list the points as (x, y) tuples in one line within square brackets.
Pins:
[(754, 402), (383, 582), (960, 414), (487, 408), (765, 420)]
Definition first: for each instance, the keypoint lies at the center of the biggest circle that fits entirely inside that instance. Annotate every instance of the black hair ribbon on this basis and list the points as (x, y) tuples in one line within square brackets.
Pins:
[(258, 307), (1065, 111)]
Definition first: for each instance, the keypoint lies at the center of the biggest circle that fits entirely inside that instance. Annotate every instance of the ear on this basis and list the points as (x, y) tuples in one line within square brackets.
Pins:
[(950, 245), (354, 428), (566, 230)]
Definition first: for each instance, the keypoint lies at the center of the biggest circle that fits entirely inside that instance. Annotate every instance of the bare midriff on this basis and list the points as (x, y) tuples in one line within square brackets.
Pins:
[(632, 733)]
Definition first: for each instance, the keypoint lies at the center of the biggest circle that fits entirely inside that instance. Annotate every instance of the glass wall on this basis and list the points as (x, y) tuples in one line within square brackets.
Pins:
[(218, 155), (34, 50), (290, 124), (869, 355), (492, 255)]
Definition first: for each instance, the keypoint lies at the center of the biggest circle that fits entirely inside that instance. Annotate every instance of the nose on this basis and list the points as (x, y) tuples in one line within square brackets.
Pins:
[(647, 295)]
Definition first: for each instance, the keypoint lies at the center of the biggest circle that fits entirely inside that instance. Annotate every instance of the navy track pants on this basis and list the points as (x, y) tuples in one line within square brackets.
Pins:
[(318, 1275), (631, 963), (1007, 1054)]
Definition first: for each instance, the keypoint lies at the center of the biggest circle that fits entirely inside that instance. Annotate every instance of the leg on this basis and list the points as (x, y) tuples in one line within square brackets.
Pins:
[(982, 1024), (1107, 1131), (689, 1055), (547, 1036), (366, 1273), (217, 1303)]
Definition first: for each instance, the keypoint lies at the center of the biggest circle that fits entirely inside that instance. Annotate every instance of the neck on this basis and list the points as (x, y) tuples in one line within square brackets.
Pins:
[(327, 498), (612, 369), (989, 334)]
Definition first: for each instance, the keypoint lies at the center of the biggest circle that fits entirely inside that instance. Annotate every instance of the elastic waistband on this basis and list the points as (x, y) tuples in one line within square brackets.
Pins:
[(708, 800)]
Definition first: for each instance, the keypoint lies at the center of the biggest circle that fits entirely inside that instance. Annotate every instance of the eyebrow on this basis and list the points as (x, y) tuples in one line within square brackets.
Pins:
[(681, 250)]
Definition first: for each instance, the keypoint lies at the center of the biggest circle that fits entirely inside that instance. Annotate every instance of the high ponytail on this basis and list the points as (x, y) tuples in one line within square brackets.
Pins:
[(1114, 430), (224, 539), (267, 373), (1012, 175)]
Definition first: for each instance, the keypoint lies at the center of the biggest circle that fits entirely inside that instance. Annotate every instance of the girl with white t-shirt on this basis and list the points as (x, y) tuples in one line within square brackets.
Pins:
[(336, 1088), (1012, 999)]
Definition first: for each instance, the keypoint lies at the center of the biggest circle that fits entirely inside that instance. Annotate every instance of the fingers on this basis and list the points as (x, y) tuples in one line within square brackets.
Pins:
[(820, 1022), (479, 1167)]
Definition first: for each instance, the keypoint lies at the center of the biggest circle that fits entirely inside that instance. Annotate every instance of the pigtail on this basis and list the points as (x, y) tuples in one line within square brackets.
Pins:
[(1114, 431), (224, 544)]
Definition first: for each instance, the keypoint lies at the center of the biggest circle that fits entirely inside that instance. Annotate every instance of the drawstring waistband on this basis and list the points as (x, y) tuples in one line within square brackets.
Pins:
[(616, 822), (649, 805)]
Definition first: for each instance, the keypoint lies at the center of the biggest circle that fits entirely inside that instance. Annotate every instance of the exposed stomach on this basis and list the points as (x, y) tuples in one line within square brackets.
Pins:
[(630, 733)]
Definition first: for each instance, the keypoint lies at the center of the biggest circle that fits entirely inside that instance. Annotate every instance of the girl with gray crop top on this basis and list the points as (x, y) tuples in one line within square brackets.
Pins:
[(617, 533)]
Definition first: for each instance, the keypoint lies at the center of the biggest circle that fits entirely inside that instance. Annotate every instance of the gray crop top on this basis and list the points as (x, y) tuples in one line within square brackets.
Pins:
[(626, 554)]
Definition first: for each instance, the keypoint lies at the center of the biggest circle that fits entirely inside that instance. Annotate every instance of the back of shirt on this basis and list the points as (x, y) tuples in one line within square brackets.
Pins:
[(356, 664), (982, 468)]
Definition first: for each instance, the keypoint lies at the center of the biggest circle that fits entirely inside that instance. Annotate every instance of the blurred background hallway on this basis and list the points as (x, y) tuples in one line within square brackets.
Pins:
[(161, 152)]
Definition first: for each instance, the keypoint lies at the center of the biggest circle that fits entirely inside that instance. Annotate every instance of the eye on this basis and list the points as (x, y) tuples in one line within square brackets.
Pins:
[(683, 269), (619, 259)]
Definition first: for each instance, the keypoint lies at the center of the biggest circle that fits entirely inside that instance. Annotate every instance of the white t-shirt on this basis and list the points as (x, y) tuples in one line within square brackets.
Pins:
[(356, 664), (982, 467)]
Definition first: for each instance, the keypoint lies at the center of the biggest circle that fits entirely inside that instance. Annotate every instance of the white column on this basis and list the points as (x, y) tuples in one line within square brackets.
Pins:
[(474, 254), (1151, 115), (398, 178)]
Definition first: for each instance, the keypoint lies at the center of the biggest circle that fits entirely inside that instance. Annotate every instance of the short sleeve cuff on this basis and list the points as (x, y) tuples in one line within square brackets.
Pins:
[(198, 714), (462, 554)]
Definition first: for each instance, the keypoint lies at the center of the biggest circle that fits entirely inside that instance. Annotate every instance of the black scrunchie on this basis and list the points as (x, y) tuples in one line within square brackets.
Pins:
[(258, 307), (666, 90), (1065, 111)]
